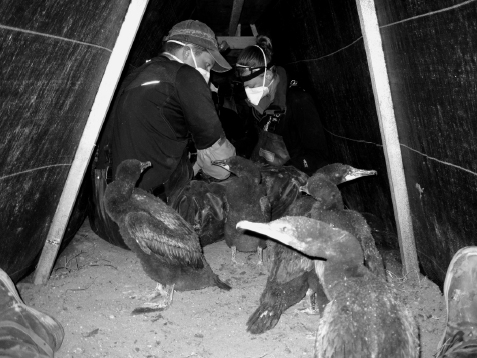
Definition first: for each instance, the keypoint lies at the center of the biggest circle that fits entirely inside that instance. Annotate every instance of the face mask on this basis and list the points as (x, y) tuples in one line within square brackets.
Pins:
[(255, 94), (204, 73)]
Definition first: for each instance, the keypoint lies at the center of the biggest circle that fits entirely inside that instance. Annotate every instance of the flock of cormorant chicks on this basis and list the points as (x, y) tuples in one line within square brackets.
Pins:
[(316, 248)]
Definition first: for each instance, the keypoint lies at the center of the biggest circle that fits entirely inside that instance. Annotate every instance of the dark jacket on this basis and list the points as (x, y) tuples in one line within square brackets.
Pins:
[(161, 105)]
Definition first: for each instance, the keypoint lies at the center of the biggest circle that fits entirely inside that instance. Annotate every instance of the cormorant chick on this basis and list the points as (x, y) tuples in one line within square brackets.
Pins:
[(282, 186), (292, 274), (330, 209), (247, 201), (166, 245), (364, 318)]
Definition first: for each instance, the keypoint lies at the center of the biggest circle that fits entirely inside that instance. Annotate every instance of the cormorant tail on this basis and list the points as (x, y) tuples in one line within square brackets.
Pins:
[(220, 284), (265, 317)]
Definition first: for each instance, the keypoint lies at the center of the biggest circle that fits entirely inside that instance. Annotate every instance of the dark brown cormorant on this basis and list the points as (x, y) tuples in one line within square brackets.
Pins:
[(337, 173), (205, 207), (164, 242), (247, 200), (282, 186), (364, 317), (292, 274), (329, 208)]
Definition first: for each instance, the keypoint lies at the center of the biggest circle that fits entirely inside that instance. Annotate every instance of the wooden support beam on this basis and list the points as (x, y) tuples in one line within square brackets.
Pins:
[(389, 134), (235, 17), (238, 42), (239, 30), (90, 135), (254, 30)]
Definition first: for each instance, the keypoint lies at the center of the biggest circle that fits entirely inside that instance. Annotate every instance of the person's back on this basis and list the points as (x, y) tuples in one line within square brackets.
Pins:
[(161, 102), (158, 110)]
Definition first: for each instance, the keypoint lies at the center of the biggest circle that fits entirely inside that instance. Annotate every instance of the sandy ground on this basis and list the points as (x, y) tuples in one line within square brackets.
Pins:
[(94, 287)]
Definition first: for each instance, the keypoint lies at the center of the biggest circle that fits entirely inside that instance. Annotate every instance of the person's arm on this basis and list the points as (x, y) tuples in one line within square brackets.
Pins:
[(203, 122), (222, 149)]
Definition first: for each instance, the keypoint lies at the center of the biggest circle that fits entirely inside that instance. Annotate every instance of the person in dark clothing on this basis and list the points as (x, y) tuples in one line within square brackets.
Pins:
[(160, 110), (166, 102), (290, 130)]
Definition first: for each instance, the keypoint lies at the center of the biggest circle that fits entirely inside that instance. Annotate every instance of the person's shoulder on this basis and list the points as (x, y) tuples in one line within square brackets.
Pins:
[(281, 70), (164, 61), (189, 72), (188, 77)]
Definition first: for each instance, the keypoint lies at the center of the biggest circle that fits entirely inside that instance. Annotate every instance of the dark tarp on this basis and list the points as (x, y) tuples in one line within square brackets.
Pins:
[(431, 54), (54, 53)]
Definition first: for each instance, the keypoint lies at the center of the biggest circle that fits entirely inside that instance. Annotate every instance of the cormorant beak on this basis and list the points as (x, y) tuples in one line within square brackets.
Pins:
[(145, 165), (273, 232), (221, 163), (358, 173)]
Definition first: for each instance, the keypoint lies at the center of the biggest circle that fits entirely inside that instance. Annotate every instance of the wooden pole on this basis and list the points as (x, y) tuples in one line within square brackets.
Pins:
[(238, 42), (90, 135), (254, 30), (389, 134), (235, 17)]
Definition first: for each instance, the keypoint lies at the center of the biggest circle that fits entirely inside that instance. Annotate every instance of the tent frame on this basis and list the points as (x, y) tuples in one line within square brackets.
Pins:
[(88, 140)]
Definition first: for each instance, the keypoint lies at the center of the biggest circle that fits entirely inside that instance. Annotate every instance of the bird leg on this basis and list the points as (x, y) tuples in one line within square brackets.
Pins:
[(166, 293), (260, 256), (163, 297), (311, 298), (234, 253), (161, 290), (154, 304)]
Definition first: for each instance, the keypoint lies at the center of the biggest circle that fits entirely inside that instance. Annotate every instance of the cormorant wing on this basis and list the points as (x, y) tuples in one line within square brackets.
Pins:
[(282, 185), (167, 215), (290, 263), (153, 237)]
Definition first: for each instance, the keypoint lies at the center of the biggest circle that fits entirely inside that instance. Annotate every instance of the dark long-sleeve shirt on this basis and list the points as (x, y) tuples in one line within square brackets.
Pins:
[(160, 106)]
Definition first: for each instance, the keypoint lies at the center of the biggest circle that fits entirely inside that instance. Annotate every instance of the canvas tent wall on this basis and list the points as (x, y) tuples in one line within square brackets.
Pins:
[(54, 54), (431, 57)]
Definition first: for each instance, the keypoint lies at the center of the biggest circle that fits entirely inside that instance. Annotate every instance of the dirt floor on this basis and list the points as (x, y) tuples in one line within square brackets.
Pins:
[(94, 287)]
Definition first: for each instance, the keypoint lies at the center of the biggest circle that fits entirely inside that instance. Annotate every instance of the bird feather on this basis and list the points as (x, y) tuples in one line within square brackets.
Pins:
[(153, 238)]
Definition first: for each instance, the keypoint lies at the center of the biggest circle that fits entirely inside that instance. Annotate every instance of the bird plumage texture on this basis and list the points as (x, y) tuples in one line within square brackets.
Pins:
[(329, 208), (166, 245), (364, 317), (282, 186), (247, 200), (290, 277), (292, 273), (205, 207)]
